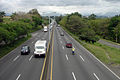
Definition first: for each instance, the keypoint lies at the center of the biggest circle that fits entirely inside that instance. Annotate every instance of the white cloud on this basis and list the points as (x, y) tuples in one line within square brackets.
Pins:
[(100, 7)]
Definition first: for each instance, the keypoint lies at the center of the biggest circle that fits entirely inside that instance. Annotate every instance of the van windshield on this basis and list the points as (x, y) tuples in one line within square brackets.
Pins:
[(39, 47)]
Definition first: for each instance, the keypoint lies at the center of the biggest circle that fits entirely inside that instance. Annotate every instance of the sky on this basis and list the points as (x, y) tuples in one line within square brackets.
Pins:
[(55, 7)]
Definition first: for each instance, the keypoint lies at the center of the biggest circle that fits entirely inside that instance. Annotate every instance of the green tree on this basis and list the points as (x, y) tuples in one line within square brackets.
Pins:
[(117, 32), (92, 16), (75, 23), (4, 35), (1, 16), (88, 35), (113, 23), (37, 21)]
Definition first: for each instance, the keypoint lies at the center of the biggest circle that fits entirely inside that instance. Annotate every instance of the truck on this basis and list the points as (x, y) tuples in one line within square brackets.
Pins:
[(40, 48), (45, 29)]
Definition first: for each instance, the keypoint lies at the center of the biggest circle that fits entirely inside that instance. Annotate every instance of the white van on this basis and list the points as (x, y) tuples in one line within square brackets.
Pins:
[(45, 29), (40, 48)]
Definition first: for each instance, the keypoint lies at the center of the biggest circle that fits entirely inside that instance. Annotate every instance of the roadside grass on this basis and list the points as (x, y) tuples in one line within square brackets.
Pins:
[(100, 51), (7, 48), (106, 54), (111, 42)]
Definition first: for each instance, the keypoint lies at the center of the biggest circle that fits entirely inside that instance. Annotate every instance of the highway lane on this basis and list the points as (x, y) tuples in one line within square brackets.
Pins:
[(82, 66), (61, 69), (93, 64), (23, 67)]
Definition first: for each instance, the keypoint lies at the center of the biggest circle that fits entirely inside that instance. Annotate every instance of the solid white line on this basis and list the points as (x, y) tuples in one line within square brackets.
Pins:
[(16, 58), (73, 75), (18, 77), (30, 58), (96, 76), (81, 57), (63, 47), (66, 56), (94, 57)]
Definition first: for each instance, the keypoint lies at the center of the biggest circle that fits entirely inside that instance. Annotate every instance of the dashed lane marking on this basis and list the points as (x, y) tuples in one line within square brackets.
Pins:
[(66, 56), (81, 57), (18, 77), (63, 47), (16, 58), (73, 75), (30, 58), (96, 76)]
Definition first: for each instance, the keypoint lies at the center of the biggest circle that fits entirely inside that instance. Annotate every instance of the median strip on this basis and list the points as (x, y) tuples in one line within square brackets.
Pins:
[(52, 57), (44, 64)]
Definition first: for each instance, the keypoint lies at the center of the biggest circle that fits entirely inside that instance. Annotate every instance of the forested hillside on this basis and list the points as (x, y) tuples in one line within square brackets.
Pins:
[(91, 28), (18, 24)]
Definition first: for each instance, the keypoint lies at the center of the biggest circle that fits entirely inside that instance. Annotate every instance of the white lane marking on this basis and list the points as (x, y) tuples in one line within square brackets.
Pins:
[(63, 47), (73, 75), (18, 77), (30, 58), (16, 58), (94, 56), (96, 76), (59, 38), (33, 42), (81, 57), (66, 56), (61, 42)]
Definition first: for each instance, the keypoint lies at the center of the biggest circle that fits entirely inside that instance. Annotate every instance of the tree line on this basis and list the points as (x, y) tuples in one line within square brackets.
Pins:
[(20, 24), (92, 28)]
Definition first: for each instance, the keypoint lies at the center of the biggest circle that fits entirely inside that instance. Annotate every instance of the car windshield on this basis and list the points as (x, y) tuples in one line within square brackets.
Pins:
[(69, 43), (24, 47), (39, 47)]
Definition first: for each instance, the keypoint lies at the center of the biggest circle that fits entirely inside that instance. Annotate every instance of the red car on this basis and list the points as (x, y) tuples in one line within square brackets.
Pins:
[(69, 45)]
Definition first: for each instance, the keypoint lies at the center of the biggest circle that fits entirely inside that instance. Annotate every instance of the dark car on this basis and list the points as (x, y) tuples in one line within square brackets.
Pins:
[(61, 34), (69, 45), (25, 49)]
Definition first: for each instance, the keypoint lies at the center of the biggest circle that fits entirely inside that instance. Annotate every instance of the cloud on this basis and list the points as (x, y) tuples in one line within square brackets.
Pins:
[(100, 7), (112, 0)]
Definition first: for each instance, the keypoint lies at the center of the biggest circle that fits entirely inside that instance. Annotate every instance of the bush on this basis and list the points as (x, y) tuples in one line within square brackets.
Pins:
[(88, 35), (10, 32)]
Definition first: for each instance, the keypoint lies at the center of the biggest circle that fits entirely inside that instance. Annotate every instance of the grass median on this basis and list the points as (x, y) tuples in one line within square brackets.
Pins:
[(106, 54)]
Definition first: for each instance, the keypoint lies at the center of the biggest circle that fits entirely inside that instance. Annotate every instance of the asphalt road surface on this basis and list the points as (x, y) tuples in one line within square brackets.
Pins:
[(63, 66), (15, 66), (81, 66)]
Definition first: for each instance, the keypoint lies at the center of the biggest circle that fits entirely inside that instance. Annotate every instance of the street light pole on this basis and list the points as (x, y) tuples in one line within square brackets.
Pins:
[(49, 28)]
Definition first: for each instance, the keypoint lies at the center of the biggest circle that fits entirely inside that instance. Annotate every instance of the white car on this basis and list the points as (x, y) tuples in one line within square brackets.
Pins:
[(40, 48)]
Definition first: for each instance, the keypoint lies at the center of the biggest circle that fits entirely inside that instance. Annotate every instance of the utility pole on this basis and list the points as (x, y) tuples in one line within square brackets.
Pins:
[(49, 28)]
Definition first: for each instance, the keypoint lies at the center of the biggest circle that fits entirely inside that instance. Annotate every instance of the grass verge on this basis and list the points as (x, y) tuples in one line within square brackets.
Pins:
[(7, 48), (111, 42), (106, 54)]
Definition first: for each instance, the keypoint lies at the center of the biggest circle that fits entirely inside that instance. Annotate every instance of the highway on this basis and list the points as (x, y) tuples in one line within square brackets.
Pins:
[(15, 66), (63, 65), (81, 66)]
